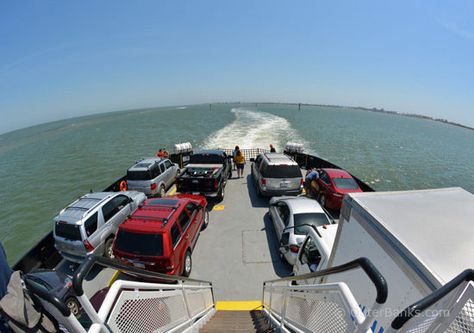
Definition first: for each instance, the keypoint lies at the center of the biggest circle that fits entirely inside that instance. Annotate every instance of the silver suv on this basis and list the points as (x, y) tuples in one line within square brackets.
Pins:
[(90, 223), (152, 176), (276, 174)]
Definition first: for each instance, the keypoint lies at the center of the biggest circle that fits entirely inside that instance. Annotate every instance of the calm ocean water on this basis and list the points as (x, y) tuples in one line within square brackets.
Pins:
[(43, 168)]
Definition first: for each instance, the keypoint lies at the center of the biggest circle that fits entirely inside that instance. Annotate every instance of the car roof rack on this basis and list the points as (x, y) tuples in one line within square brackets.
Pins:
[(165, 220), (279, 157)]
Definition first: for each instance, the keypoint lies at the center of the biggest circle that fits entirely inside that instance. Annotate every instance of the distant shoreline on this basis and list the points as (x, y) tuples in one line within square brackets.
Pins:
[(379, 110)]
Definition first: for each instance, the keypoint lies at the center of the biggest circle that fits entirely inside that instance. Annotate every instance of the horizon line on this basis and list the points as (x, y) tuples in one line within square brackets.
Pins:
[(364, 108)]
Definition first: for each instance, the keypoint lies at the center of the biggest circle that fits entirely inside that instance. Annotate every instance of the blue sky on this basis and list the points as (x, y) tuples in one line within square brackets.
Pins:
[(60, 59)]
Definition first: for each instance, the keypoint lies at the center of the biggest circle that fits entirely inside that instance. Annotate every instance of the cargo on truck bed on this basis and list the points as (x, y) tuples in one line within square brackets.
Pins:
[(206, 174)]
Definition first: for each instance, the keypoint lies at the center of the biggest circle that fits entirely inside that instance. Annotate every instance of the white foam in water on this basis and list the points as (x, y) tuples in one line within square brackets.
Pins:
[(254, 129)]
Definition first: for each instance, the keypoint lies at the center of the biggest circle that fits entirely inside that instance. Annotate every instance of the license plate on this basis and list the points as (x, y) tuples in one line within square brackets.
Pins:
[(283, 185), (196, 193), (195, 181), (139, 265)]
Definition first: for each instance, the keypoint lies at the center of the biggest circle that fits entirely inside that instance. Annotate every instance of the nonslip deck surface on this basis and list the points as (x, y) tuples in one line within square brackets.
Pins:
[(238, 251)]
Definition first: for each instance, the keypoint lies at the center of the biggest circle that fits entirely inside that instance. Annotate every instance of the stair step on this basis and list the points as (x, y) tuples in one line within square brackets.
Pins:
[(237, 321)]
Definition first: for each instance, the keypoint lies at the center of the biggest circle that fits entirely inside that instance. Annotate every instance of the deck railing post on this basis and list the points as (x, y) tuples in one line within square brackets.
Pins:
[(186, 304), (285, 305)]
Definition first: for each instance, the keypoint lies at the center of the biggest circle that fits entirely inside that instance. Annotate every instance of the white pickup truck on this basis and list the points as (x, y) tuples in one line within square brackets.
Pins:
[(314, 252)]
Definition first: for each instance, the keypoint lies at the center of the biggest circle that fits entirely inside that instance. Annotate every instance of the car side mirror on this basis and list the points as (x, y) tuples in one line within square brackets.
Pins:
[(252, 159)]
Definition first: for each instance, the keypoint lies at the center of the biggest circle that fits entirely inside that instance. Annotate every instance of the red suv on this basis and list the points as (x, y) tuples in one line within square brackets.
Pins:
[(160, 235), (331, 186)]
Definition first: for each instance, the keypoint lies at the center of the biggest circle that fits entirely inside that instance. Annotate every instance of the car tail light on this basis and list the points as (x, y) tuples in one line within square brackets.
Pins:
[(294, 248), (153, 186), (264, 181), (88, 245), (167, 264), (301, 181), (216, 184)]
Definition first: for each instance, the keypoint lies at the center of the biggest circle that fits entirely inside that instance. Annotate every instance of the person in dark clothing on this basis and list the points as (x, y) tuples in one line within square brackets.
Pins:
[(5, 274), (272, 149)]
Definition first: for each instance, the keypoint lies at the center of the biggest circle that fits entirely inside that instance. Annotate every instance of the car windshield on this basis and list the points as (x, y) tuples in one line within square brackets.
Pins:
[(281, 171), (206, 159), (139, 244), (345, 183), (316, 219), (68, 231), (139, 175)]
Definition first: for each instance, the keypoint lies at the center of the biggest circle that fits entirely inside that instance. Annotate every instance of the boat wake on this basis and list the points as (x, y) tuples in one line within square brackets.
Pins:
[(254, 129)]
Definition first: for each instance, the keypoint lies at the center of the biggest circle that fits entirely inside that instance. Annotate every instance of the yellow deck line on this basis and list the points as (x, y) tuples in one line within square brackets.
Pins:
[(113, 278), (238, 305), (172, 191)]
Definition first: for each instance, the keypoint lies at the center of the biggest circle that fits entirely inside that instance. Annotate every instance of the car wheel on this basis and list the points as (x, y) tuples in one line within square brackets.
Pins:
[(108, 253), (323, 201), (162, 191), (220, 195), (188, 264), (206, 220), (73, 305)]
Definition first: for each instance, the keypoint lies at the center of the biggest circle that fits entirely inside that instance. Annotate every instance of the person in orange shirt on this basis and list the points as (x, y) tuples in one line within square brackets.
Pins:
[(160, 153)]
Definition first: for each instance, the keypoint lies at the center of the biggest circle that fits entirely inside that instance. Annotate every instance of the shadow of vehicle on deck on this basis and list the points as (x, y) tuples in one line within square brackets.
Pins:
[(281, 267), (254, 198)]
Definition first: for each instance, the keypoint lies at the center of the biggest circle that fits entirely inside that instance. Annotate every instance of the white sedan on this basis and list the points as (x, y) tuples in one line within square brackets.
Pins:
[(292, 216)]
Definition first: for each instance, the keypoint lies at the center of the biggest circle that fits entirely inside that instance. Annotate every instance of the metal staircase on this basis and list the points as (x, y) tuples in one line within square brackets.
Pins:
[(237, 321), (293, 304)]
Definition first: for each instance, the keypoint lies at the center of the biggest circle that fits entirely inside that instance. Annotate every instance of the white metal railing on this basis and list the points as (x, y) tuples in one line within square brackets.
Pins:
[(181, 305), (151, 307), (454, 313), (329, 307), (324, 307), (142, 307)]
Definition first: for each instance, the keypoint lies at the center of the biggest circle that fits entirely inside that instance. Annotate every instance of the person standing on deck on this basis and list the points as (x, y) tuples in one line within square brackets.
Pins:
[(159, 153), (240, 162), (234, 152), (311, 175), (272, 149)]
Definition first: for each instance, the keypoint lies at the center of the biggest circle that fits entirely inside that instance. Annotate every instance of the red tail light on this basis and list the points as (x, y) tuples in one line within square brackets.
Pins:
[(88, 245), (294, 248), (302, 181), (264, 181), (168, 264), (216, 184), (153, 186)]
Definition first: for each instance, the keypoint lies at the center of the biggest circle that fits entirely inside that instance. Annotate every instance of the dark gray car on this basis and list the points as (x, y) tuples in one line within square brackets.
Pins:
[(58, 283)]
